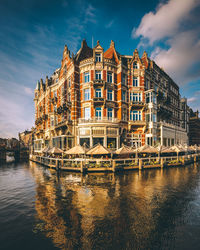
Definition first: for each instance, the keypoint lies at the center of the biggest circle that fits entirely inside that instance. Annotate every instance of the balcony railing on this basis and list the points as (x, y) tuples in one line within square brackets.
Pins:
[(96, 120), (98, 99), (137, 104), (62, 124), (98, 82), (137, 122)]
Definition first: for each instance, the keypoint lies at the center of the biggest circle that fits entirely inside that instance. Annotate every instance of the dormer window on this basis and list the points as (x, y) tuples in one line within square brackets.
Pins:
[(135, 65), (135, 82), (97, 57)]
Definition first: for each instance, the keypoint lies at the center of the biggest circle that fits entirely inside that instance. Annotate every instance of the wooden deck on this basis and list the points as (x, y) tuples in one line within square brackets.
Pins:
[(114, 165)]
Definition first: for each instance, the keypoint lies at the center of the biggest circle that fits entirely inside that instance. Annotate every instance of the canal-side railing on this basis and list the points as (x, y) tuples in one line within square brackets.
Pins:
[(92, 164)]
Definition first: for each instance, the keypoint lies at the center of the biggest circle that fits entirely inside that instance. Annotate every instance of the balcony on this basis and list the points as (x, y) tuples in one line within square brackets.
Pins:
[(95, 120), (63, 124), (98, 100), (110, 103), (137, 104), (137, 123), (98, 83), (109, 85), (39, 131)]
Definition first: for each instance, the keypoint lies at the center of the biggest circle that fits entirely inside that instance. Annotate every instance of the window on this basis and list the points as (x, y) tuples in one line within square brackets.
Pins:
[(124, 114), (110, 94), (135, 97), (135, 65), (55, 108), (98, 75), (124, 79), (69, 82), (110, 113), (135, 82), (154, 98), (150, 97), (55, 93), (87, 113), (52, 121), (86, 77), (98, 57), (123, 95), (135, 115), (69, 115), (154, 118), (98, 113), (109, 77), (87, 94), (98, 93)]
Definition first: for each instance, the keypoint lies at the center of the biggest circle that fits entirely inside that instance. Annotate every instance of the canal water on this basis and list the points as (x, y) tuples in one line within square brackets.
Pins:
[(152, 209)]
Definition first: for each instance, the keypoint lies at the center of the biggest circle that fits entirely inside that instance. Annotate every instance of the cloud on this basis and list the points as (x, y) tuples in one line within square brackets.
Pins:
[(173, 34), (110, 24), (181, 57), (192, 99), (165, 21), (13, 116), (28, 54)]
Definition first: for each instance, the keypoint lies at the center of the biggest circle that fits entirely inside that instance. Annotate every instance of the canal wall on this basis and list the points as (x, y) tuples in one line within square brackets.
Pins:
[(114, 165)]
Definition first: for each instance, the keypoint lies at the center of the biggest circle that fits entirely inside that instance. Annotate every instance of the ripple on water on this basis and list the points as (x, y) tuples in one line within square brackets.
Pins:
[(153, 209)]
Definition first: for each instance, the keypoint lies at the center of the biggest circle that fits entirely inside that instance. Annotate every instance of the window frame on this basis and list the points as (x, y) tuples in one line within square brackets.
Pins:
[(110, 111), (110, 94), (135, 81), (98, 93), (135, 65), (98, 75), (124, 99), (86, 94), (136, 115), (109, 76), (98, 111), (88, 109), (86, 77), (97, 57)]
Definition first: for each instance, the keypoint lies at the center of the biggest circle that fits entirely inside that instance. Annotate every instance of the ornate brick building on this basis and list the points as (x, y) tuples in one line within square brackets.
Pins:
[(104, 97), (194, 128)]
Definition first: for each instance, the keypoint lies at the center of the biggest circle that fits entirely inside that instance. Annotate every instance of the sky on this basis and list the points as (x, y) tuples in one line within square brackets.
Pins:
[(33, 34)]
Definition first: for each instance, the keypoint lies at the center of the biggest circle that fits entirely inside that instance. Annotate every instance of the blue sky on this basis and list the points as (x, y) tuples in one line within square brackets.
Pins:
[(33, 34)]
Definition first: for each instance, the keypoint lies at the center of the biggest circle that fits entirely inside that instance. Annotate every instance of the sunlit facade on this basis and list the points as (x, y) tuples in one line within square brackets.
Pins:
[(99, 96)]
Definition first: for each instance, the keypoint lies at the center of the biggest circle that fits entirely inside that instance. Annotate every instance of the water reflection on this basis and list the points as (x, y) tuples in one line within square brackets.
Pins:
[(135, 210)]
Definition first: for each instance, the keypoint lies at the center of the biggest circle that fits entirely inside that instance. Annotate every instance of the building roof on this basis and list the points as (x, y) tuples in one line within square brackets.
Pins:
[(76, 150), (99, 150)]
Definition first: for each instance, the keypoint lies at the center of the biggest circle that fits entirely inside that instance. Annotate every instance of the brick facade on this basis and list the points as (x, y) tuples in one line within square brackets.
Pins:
[(109, 98)]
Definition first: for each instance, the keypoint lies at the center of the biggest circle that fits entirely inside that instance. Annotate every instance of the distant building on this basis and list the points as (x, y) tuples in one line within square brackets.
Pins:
[(25, 138), (104, 97), (194, 128)]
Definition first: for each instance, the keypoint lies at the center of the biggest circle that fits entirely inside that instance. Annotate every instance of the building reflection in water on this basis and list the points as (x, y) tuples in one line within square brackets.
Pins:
[(134, 210)]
